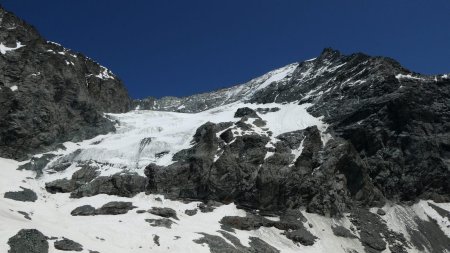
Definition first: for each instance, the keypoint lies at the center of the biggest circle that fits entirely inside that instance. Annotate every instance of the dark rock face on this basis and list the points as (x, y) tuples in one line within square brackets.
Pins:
[(124, 185), (79, 178), (26, 195), (239, 171), (68, 245), (49, 94), (29, 241), (390, 131)]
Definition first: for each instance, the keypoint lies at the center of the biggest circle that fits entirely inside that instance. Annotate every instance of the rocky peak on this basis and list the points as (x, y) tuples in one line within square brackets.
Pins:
[(50, 94)]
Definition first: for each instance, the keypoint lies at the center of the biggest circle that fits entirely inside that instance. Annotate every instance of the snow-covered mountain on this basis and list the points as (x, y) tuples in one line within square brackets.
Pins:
[(341, 153)]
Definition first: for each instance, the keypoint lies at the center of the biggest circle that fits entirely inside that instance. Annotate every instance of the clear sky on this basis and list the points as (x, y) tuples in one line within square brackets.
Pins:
[(181, 47)]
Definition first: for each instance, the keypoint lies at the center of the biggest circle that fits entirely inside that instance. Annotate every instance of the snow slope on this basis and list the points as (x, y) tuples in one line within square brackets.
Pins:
[(123, 151)]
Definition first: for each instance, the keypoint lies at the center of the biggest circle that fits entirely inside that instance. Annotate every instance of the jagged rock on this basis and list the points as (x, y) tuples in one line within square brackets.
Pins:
[(156, 239), (164, 222), (29, 241), (259, 122), (60, 185), (291, 222), (428, 236), (165, 212), (124, 185), (26, 195), (79, 178), (205, 208), (86, 174), (37, 164), (25, 215), (110, 208), (375, 236), (342, 232), (218, 245), (67, 245), (227, 136), (60, 94), (115, 208), (301, 236), (245, 112), (191, 212), (293, 139), (85, 210), (61, 166)]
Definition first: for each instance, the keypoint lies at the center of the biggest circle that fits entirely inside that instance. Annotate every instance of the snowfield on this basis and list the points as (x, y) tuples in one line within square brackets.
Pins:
[(124, 151)]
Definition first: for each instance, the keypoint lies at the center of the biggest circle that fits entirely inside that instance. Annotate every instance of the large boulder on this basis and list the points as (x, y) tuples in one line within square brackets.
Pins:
[(28, 241)]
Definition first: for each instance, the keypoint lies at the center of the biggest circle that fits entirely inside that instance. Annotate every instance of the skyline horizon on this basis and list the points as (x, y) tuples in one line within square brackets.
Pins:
[(159, 50)]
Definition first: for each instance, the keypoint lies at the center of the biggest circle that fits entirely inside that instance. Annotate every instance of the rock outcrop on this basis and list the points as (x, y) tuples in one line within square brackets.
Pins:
[(50, 94)]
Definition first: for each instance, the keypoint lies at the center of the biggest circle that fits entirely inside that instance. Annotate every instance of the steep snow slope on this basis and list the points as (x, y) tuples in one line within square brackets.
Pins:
[(170, 132)]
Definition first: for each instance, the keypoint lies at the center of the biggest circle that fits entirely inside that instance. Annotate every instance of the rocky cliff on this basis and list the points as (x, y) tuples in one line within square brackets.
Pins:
[(50, 94)]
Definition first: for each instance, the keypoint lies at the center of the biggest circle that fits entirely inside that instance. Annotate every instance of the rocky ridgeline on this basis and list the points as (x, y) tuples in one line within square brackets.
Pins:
[(50, 94), (392, 125)]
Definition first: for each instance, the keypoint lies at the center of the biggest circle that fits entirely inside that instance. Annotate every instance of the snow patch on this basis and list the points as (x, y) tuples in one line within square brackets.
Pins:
[(408, 76), (105, 74), (4, 49)]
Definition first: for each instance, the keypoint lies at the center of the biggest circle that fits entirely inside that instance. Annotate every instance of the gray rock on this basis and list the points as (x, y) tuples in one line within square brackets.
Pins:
[(26, 195), (301, 236), (60, 186), (115, 208), (164, 212), (37, 164), (375, 235), (67, 245), (124, 185), (227, 136), (164, 222), (245, 112), (206, 208), (156, 239), (381, 212), (25, 215), (191, 212), (342, 232), (28, 241), (85, 210)]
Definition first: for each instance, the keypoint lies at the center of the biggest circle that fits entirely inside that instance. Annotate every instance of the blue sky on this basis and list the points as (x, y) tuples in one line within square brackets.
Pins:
[(180, 47)]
